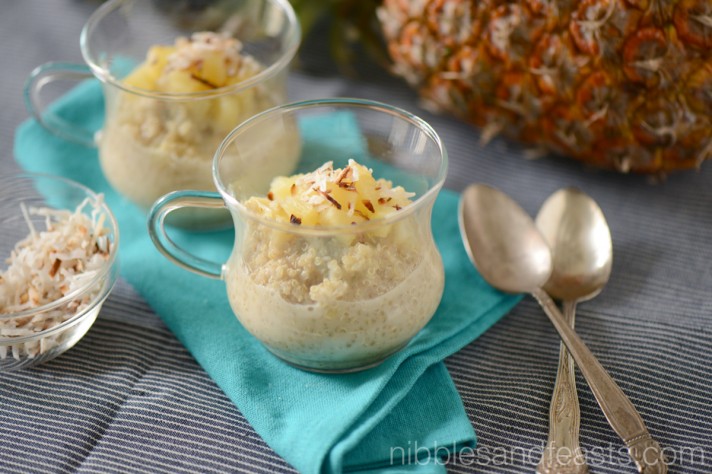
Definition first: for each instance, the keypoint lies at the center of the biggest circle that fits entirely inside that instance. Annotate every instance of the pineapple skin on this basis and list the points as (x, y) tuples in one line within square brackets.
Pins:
[(619, 84)]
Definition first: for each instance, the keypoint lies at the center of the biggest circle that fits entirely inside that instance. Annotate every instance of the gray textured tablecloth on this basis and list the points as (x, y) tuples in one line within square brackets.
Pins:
[(129, 398)]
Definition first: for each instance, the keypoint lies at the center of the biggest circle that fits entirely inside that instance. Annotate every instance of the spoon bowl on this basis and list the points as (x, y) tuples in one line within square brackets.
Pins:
[(505, 246), (581, 248)]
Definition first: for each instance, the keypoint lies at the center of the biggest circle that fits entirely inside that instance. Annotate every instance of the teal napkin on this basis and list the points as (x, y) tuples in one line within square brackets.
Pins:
[(404, 412)]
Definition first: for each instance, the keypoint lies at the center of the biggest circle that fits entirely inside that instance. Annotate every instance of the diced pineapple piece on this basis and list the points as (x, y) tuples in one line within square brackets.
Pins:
[(182, 82), (142, 77), (301, 212), (213, 70), (282, 187), (334, 217), (346, 199), (157, 57), (333, 197), (199, 111), (147, 74), (229, 112), (205, 61)]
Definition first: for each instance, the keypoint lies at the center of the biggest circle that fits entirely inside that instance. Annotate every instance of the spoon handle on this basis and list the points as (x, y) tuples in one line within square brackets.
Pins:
[(563, 452), (618, 409)]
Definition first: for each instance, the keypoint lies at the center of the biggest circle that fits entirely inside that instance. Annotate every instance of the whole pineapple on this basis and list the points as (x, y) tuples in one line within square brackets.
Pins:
[(621, 84), (624, 84)]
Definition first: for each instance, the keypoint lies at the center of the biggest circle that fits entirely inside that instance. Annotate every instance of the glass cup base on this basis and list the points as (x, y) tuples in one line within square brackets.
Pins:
[(334, 367)]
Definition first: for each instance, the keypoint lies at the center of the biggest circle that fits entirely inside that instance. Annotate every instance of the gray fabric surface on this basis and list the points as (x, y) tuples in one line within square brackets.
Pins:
[(128, 397)]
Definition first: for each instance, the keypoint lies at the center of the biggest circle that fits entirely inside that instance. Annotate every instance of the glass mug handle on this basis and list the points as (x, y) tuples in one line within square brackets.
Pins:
[(46, 74), (157, 229)]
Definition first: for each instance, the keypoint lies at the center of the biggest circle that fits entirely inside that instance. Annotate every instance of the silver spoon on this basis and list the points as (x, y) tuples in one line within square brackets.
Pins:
[(512, 255), (582, 254)]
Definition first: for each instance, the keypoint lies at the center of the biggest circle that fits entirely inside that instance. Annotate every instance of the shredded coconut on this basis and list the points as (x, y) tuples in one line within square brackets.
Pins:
[(192, 51), (48, 265)]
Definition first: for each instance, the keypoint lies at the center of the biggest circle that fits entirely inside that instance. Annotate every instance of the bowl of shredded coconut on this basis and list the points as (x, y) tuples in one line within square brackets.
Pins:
[(58, 247)]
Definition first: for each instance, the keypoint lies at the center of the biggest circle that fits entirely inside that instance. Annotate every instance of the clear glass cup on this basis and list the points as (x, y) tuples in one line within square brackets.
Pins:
[(329, 299), (152, 142)]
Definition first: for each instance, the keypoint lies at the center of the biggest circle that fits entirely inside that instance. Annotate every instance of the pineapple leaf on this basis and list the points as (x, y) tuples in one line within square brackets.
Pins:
[(354, 25)]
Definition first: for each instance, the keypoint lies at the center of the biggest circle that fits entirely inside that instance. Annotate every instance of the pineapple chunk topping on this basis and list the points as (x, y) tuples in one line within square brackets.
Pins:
[(205, 61), (330, 197)]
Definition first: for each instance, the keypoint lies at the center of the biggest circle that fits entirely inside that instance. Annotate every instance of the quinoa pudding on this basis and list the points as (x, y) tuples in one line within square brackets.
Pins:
[(163, 138), (339, 300)]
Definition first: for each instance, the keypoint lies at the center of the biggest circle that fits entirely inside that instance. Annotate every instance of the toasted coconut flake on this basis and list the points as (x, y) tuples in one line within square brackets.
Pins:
[(26, 215), (294, 219), (55, 267), (191, 53), (331, 199), (344, 173), (48, 265), (361, 214)]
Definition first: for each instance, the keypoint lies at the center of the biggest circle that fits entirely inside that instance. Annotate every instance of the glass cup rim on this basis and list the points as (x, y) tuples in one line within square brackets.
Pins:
[(105, 270), (233, 203), (293, 40)]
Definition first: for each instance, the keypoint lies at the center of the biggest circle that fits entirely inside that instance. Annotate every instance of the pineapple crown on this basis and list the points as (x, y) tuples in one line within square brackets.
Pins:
[(353, 28)]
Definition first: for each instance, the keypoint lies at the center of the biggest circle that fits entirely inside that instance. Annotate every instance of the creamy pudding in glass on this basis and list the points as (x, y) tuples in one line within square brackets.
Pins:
[(334, 267), (153, 145), (176, 81), (354, 297)]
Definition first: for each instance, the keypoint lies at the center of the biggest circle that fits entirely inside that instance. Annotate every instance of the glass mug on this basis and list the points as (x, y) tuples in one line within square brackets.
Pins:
[(154, 142), (324, 298)]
